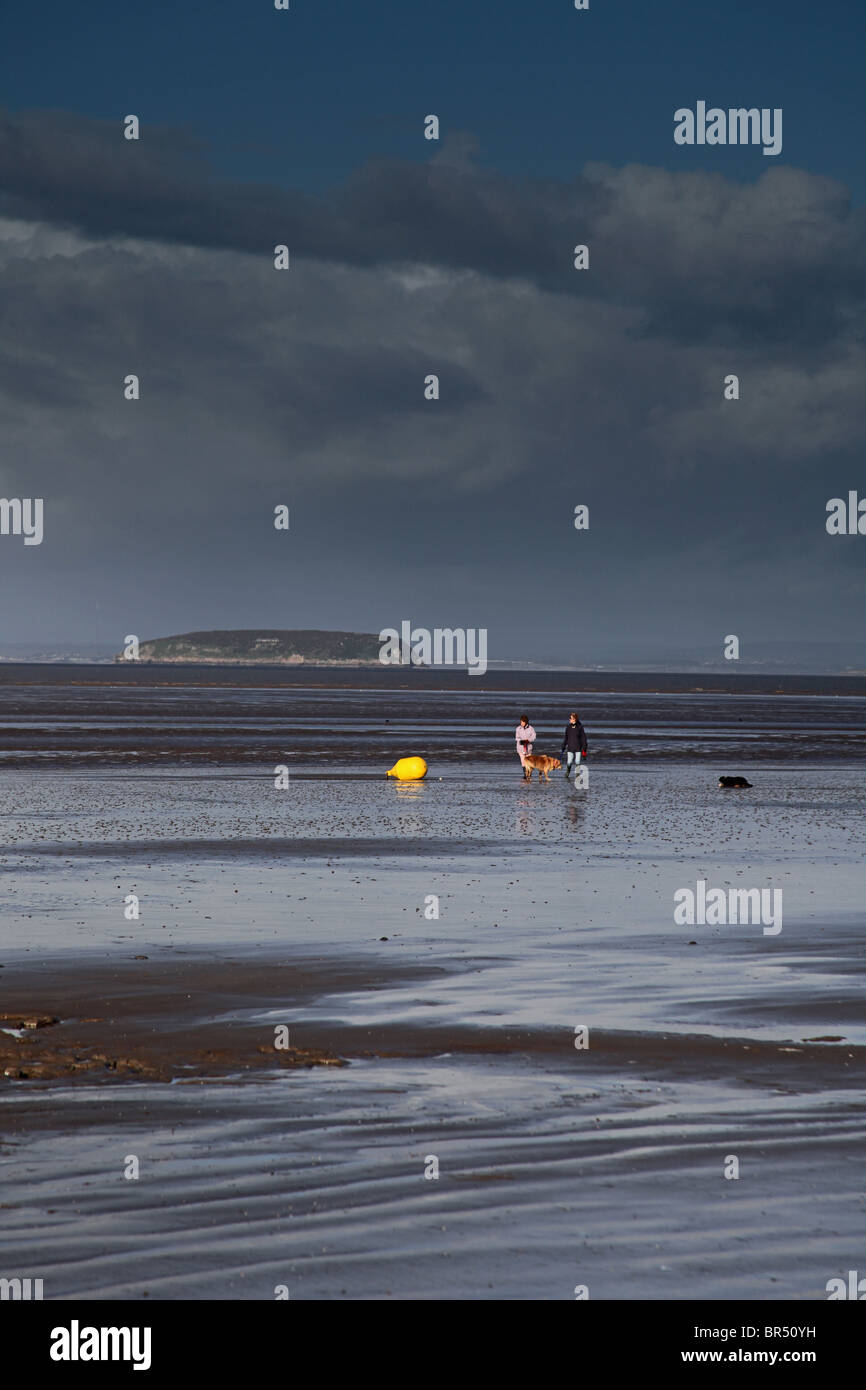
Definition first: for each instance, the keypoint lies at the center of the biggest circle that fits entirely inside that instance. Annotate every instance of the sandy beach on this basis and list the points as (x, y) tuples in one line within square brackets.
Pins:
[(563, 1157)]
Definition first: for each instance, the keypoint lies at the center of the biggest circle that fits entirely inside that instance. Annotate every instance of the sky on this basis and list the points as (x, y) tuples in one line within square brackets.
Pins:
[(558, 387)]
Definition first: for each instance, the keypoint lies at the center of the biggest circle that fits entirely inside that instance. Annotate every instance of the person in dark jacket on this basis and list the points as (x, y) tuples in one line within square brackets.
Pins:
[(574, 743)]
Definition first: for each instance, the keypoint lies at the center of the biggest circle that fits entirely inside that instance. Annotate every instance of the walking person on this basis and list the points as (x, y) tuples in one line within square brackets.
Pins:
[(525, 736), (574, 743)]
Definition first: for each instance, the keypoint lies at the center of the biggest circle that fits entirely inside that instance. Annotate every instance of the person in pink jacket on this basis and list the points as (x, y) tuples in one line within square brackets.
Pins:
[(525, 736)]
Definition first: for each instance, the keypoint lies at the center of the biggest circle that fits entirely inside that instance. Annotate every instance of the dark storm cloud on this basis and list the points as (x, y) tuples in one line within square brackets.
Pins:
[(76, 171), (306, 387), (317, 374), (781, 260)]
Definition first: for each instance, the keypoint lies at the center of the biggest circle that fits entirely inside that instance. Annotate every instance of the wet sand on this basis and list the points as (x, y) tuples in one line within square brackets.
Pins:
[(169, 1022), (203, 1017), (556, 1166), (413, 1038)]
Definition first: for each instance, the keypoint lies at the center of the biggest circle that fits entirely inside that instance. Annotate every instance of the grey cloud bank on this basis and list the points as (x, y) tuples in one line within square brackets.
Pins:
[(261, 387)]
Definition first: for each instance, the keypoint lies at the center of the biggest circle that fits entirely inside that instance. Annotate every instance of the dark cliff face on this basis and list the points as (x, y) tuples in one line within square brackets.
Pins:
[(266, 645)]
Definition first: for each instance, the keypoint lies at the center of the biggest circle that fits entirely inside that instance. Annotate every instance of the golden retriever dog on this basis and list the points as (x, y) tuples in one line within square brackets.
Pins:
[(541, 764)]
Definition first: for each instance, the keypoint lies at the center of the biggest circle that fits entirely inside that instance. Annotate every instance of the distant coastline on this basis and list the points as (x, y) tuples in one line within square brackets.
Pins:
[(275, 649), (259, 646)]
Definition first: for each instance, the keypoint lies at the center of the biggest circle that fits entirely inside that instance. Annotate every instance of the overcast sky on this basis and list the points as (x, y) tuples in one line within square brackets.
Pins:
[(408, 257)]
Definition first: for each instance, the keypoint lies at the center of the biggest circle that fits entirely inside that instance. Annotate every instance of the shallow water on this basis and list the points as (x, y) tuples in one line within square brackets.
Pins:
[(547, 1178), (557, 1165), (367, 730)]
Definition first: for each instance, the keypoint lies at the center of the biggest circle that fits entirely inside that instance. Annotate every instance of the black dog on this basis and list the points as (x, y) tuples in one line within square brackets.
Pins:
[(733, 782)]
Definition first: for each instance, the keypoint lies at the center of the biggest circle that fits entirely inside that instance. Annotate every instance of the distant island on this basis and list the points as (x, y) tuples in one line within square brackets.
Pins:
[(262, 646)]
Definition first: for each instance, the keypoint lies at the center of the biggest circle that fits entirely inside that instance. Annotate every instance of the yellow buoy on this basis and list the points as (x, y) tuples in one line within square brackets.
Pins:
[(409, 769)]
